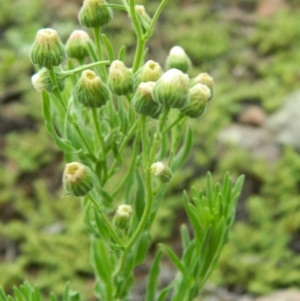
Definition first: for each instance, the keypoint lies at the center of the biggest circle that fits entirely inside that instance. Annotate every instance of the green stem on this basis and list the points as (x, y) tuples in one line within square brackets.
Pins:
[(147, 163), (123, 144), (56, 90), (160, 8), (180, 117), (125, 5), (97, 37), (84, 140), (91, 51), (116, 6), (106, 221), (84, 67), (100, 139), (149, 196), (163, 118), (140, 39), (131, 168)]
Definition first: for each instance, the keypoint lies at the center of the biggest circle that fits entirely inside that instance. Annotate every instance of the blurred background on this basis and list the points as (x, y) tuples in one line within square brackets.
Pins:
[(252, 49)]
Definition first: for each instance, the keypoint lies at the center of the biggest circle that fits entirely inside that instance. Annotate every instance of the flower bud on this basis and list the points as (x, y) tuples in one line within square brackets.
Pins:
[(178, 59), (42, 81), (78, 179), (142, 15), (150, 72), (172, 89), (91, 91), (94, 13), (77, 45), (143, 102), (199, 95), (204, 79), (161, 171), (120, 79), (47, 49), (122, 216)]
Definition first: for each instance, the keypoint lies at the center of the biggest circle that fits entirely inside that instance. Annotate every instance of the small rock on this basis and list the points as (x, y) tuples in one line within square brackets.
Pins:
[(253, 115), (257, 141), (285, 122), (268, 8)]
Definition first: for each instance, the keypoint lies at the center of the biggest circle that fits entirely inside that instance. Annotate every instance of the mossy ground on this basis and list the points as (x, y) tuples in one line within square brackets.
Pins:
[(253, 58)]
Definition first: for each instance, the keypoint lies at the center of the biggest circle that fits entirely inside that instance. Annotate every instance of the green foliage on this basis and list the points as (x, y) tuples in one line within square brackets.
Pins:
[(262, 73), (265, 252)]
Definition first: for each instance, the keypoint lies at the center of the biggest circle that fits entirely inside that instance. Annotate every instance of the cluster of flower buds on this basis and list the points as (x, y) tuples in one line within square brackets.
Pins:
[(173, 88), (152, 89)]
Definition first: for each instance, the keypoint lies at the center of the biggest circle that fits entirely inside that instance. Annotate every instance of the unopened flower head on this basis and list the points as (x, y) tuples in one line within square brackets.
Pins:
[(42, 81), (47, 49), (94, 13), (162, 172), (205, 79), (150, 72), (90, 90), (77, 45), (199, 95), (178, 59), (143, 102), (122, 216), (144, 18), (78, 179), (120, 78), (172, 89)]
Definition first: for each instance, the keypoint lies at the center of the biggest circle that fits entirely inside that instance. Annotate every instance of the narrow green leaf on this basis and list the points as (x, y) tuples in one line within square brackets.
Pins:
[(61, 143), (164, 294), (3, 296), (122, 115), (115, 150), (153, 277), (139, 204), (54, 298), (185, 236), (180, 292), (176, 261), (193, 216), (108, 47), (17, 294), (122, 53), (74, 296), (142, 248), (37, 293), (106, 198), (191, 212), (185, 150), (238, 187), (164, 147), (102, 260), (209, 187), (10, 298), (26, 290), (129, 263), (66, 291), (102, 228), (189, 256)]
